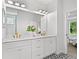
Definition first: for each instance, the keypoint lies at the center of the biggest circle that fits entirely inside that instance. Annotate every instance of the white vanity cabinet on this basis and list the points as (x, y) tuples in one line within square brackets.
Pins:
[(17, 50), (37, 51), (49, 45), (30, 49)]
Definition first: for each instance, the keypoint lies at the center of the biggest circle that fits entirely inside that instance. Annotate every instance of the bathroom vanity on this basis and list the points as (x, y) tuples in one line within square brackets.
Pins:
[(29, 48), (26, 46)]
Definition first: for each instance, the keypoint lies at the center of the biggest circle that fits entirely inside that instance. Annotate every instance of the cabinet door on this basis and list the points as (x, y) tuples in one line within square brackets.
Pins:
[(17, 50), (49, 45), (10, 53), (24, 52), (54, 44), (46, 46)]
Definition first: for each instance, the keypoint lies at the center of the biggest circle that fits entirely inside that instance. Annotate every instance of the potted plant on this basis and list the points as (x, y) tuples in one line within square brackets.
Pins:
[(31, 29)]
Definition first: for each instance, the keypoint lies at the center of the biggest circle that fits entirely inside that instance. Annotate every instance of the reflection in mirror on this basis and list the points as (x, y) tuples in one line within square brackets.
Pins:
[(10, 23)]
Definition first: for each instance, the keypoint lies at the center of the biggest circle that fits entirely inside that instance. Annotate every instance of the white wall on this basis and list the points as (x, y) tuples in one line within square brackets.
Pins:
[(49, 23), (60, 28), (63, 6), (68, 5), (52, 23)]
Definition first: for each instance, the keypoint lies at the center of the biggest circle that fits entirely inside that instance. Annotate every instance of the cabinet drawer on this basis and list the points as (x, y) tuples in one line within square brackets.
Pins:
[(36, 43), (16, 44), (37, 49), (37, 55)]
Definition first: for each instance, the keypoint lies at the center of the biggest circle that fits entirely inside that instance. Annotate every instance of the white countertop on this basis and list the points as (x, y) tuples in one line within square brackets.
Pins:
[(26, 38)]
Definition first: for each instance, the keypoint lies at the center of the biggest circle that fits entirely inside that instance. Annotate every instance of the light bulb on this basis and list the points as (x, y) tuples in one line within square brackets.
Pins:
[(10, 2), (46, 12), (17, 4), (40, 11), (22, 5)]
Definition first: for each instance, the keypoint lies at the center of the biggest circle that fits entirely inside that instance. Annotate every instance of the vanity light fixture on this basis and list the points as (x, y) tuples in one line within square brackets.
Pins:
[(43, 11), (17, 4), (10, 2)]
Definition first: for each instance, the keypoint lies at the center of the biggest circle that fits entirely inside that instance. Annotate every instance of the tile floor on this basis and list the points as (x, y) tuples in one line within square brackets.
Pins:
[(72, 54)]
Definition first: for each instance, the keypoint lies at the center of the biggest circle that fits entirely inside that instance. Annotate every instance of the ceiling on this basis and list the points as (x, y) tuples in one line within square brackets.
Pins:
[(47, 5)]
